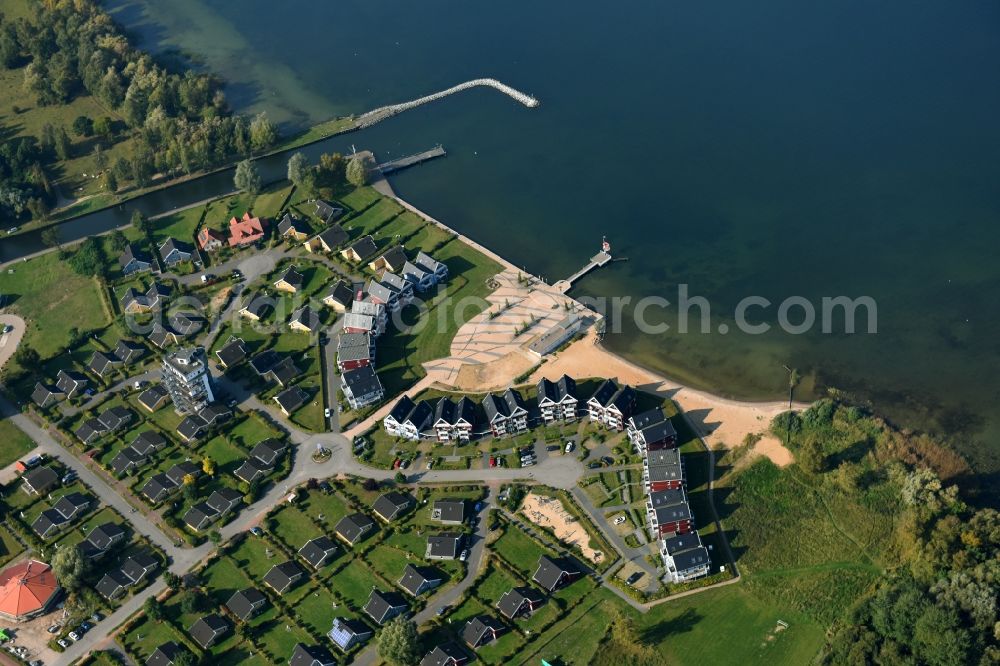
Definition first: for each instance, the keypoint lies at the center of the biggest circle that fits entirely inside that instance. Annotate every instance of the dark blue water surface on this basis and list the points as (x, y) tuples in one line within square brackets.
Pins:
[(774, 149)]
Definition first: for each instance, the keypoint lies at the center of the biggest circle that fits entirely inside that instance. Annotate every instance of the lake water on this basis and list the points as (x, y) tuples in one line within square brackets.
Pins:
[(773, 149)]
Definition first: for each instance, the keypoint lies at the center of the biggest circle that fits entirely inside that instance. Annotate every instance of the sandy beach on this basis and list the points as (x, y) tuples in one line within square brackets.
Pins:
[(720, 421)]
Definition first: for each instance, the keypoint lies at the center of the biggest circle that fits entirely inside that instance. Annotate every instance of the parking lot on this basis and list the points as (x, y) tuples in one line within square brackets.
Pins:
[(33, 637)]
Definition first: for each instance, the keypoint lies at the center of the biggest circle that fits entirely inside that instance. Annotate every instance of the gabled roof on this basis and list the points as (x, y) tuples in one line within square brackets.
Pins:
[(305, 316), (208, 629), (353, 527), (101, 363), (481, 629), (340, 292), (128, 351), (429, 263), (157, 487), (165, 654), (389, 505), (515, 402), (161, 337), (148, 441), (663, 498), (333, 236), (200, 515), (258, 304), (291, 399), (132, 253), (292, 277), (552, 570), (90, 429), (623, 400), (681, 542), (495, 408), (325, 210), (185, 323), (446, 654), (395, 282), (192, 427), (362, 381), (692, 559), (264, 361), (45, 392), (658, 432), (284, 575), (251, 470), (232, 353), (139, 565), (126, 459), (245, 229), (246, 603), (285, 371), (413, 273), (112, 584), (268, 451), (465, 411), (105, 535), (444, 544), (401, 409), (311, 655), (380, 291), (417, 579), (444, 412), (394, 257), (153, 397), (317, 551), (421, 416), (225, 499), (382, 606), (449, 510), (344, 631), (289, 223), (40, 479), (115, 417), (364, 247), (647, 418), (602, 396), (172, 244), (513, 601), (69, 381), (71, 504), (177, 473)]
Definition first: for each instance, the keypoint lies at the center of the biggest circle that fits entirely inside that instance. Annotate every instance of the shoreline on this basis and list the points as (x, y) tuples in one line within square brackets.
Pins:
[(720, 421)]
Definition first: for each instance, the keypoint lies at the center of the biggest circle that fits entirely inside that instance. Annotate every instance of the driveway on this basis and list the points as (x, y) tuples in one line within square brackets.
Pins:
[(10, 341)]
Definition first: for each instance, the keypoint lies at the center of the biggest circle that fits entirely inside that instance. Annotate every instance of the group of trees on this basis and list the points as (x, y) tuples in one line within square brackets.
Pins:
[(332, 172), (178, 123), (938, 603)]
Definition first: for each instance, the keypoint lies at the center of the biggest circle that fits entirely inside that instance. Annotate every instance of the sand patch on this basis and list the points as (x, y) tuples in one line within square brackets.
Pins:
[(771, 447), (219, 299), (720, 421), (495, 375), (551, 514)]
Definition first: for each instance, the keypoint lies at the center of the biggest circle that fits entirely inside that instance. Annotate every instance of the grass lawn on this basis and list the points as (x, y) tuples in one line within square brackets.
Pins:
[(252, 430), (9, 546), (223, 578), (15, 443), (316, 610), (390, 561), (180, 225), (147, 635), (373, 218), (355, 582), (293, 527), (226, 456), (269, 202), (281, 637), (251, 557), (496, 583), (402, 354), (520, 550), (52, 299), (360, 198), (330, 506)]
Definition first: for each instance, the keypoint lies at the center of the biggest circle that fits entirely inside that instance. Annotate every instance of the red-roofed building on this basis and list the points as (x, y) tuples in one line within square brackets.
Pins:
[(210, 239), (26, 590), (245, 231)]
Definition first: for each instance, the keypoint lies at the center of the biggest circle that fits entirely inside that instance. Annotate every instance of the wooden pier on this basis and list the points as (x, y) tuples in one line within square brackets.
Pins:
[(598, 260), (410, 160)]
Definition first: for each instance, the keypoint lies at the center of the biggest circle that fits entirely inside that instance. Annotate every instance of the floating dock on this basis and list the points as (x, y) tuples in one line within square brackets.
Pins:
[(602, 258)]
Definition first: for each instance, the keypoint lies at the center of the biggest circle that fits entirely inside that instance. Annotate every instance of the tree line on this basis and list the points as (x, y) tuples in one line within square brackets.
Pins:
[(178, 122)]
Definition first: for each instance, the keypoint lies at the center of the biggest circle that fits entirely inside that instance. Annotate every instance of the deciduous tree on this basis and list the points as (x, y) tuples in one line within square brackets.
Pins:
[(398, 642), (247, 178)]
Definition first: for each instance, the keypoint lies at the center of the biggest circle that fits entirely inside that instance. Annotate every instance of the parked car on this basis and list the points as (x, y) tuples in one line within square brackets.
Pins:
[(404, 464), (493, 461), (464, 556), (73, 636), (325, 486), (442, 610), (430, 463), (53, 629), (479, 507), (608, 460), (552, 447), (618, 521), (570, 446), (256, 531), (96, 617), (395, 463), (85, 626), (7, 328), (63, 643), (593, 465), (633, 578), (326, 413)]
